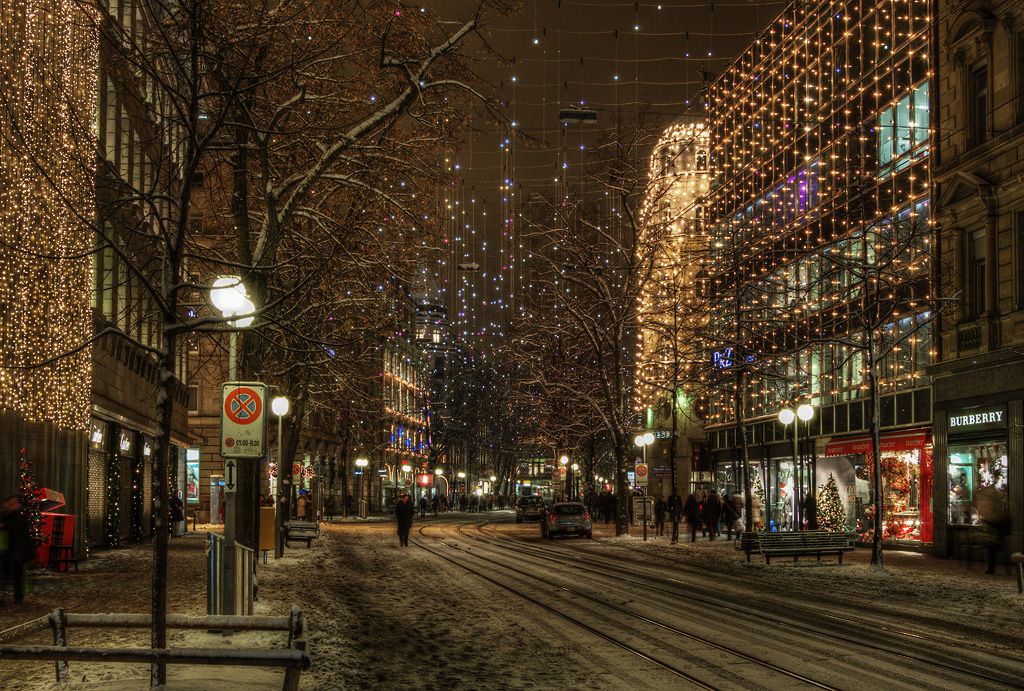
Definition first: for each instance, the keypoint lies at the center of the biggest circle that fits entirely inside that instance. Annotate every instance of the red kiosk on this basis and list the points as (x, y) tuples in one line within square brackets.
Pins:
[(58, 532)]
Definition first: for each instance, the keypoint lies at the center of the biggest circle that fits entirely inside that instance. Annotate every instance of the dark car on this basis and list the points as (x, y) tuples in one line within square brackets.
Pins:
[(529, 508), (566, 518)]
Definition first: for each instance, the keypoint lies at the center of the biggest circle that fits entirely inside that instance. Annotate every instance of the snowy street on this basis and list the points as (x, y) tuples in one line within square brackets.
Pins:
[(477, 601)]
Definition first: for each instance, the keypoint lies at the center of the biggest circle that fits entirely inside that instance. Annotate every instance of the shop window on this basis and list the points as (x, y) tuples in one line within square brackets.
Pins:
[(977, 482)]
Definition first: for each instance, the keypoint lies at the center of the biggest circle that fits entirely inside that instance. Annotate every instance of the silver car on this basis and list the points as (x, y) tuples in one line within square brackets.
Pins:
[(566, 518), (530, 508)]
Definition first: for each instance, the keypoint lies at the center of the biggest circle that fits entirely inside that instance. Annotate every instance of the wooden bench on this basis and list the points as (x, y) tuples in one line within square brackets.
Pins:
[(815, 542), (301, 531), (748, 543), (61, 556)]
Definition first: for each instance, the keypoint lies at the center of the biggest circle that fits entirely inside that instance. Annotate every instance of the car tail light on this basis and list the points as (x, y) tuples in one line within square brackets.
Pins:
[(586, 516), (553, 517)]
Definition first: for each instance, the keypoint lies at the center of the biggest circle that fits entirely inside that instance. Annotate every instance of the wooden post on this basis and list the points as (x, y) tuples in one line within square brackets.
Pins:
[(58, 622)]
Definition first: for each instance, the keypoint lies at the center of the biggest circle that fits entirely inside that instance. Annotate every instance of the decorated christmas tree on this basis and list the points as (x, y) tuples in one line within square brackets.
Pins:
[(30, 502), (760, 500), (831, 515)]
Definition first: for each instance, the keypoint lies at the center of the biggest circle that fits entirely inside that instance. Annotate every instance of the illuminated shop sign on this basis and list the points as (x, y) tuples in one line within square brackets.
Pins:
[(724, 359), (977, 419)]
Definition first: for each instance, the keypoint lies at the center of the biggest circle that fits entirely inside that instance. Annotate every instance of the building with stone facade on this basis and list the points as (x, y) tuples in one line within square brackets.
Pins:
[(978, 375)]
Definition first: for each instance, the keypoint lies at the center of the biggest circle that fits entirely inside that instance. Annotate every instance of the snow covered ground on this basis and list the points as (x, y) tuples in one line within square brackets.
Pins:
[(386, 617)]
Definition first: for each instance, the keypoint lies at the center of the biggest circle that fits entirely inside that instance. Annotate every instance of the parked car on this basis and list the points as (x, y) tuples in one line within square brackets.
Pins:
[(529, 508), (566, 518)]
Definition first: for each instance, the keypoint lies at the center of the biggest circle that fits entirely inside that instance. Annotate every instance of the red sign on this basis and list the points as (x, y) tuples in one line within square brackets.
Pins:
[(425, 480), (243, 406), (891, 443)]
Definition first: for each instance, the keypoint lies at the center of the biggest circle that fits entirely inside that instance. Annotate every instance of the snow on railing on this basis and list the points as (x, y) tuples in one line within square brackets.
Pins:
[(294, 658)]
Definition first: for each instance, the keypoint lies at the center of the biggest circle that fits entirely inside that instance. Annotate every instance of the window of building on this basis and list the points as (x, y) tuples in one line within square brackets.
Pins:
[(977, 476), (977, 117), (903, 132), (977, 274)]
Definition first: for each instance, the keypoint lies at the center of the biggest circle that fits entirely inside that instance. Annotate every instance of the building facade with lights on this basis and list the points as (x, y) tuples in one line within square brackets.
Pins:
[(817, 219), (670, 318), (978, 373)]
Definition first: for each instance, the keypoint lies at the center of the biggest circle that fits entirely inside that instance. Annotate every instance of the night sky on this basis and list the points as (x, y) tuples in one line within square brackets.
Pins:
[(602, 55)]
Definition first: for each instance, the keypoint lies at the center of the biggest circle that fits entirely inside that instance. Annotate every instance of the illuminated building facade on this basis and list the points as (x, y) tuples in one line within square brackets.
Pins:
[(819, 152), (670, 309)]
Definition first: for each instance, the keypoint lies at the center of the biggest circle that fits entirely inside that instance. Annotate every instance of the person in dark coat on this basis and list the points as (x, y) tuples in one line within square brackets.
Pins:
[(729, 517), (423, 506), (675, 513), (19, 547), (712, 513), (177, 513), (691, 510), (404, 511), (660, 507)]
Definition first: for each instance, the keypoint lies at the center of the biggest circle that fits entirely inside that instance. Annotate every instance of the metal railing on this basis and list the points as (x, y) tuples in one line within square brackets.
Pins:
[(294, 659), (244, 563)]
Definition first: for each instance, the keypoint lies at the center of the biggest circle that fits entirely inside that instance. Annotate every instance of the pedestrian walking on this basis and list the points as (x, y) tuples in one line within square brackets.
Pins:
[(729, 516), (660, 507), (19, 548), (404, 511), (330, 508), (423, 506), (675, 513), (435, 503), (712, 513), (177, 514), (302, 506), (691, 511)]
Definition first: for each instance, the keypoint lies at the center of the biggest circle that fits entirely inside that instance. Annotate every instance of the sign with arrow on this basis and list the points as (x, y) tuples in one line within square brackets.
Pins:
[(230, 474)]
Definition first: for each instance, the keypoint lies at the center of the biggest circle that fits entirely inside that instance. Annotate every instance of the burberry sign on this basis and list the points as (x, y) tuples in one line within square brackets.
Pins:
[(976, 419)]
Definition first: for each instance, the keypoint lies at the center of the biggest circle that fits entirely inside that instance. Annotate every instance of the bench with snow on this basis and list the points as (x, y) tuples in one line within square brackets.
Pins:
[(815, 542), (301, 531), (748, 543)]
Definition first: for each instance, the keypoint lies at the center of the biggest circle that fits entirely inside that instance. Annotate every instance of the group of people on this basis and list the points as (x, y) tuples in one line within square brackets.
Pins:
[(708, 513)]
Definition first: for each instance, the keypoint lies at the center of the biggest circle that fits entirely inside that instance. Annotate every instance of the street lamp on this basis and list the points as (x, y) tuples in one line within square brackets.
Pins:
[(575, 480), (564, 460), (361, 463), (228, 295), (787, 416), (280, 407), (643, 441)]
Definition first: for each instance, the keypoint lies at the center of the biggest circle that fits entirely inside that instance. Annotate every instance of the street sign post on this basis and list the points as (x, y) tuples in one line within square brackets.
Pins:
[(230, 474), (243, 420)]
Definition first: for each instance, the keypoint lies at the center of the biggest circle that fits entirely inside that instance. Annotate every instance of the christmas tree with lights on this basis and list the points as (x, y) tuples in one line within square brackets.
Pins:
[(761, 500), (30, 502), (831, 515)]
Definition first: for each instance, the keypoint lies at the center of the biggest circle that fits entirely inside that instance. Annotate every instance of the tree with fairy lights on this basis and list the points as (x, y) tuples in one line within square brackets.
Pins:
[(592, 252), (30, 502), (314, 133), (831, 515)]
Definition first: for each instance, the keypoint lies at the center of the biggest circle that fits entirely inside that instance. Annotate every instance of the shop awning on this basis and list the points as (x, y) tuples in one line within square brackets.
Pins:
[(892, 443)]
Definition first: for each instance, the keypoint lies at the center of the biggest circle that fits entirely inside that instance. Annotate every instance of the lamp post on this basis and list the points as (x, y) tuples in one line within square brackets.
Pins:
[(361, 463), (280, 407), (564, 460), (643, 441), (787, 416), (439, 472), (575, 490), (228, 295), (465, 486)]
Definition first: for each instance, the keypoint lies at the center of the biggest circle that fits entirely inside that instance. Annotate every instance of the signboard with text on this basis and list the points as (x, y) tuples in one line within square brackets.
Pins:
[(641, 474), (243, 420)]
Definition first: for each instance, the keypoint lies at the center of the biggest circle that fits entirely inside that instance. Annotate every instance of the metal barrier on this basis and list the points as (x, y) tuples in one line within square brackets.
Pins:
[(244, 561), (294, 659)]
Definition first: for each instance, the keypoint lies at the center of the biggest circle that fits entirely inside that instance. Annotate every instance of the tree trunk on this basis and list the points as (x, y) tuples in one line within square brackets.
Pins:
[(876, 455), (622, 485)]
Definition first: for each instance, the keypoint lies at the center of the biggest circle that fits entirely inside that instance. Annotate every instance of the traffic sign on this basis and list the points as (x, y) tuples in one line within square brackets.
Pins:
[(243, 420), (558, 473), (230, 474), (641, 474)]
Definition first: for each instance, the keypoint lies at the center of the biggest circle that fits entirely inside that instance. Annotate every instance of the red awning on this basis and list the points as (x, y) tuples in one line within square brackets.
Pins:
[(893, 442)]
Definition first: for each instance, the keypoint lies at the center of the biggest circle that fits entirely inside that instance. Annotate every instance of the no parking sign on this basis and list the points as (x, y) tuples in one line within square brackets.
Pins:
[(641, 474), (243, 420)]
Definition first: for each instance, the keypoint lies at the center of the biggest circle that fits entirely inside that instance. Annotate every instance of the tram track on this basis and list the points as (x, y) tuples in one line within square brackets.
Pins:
[(793, 677), (947, 649)]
